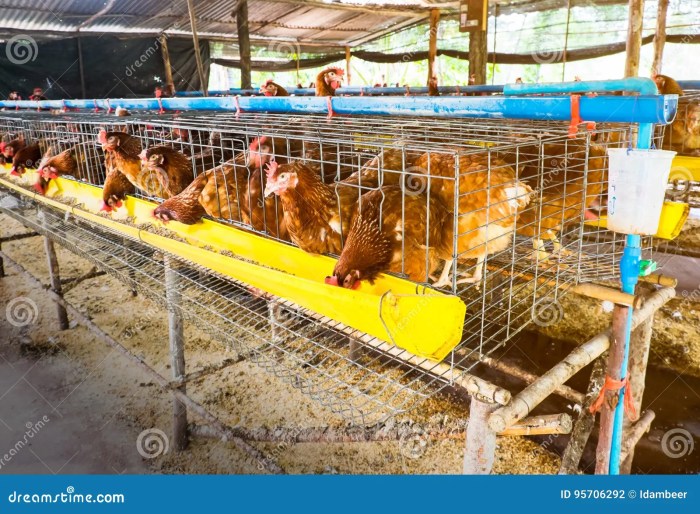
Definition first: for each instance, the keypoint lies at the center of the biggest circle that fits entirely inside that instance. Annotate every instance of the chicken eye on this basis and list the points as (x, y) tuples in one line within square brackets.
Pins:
[(283, 176)]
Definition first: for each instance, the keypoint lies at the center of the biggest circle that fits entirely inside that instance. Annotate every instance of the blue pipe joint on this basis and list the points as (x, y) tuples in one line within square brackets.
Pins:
[(629, 264)]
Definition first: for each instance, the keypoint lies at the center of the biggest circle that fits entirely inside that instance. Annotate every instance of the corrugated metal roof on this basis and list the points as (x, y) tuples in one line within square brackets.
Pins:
[(320, 23)]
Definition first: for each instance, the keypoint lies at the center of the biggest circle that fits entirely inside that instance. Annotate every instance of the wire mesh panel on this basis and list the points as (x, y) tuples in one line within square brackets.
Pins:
[(501, 213)]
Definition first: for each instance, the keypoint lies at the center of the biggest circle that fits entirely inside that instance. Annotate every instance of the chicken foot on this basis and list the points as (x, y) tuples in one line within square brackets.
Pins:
[(445, 279)]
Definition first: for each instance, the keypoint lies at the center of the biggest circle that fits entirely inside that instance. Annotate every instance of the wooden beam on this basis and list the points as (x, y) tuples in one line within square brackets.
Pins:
[(197, 54), (478, 55), (407, 10), (244, 42), (169, 84), (177, 351), (348, 72), (55, 279), (541, 425), (480, 449), (432, 43), (634, 37), (660, 37)]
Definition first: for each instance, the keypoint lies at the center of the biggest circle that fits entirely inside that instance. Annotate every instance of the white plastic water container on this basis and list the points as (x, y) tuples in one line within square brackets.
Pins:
[(637, 181)]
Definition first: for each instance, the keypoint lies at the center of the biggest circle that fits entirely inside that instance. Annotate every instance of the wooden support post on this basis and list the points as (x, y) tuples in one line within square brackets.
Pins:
[(541, 425), (197, 53), (640, 345), (2, 263), (177, 351), (566, 40), (348, 71), (55, 278), (244, 42), (478, 54), (167, 69), (659, 37), (432, 43), (634, 37), (480, 449), (585, 421), (607, 411), (633, 435), (530, 397), (81, 69)]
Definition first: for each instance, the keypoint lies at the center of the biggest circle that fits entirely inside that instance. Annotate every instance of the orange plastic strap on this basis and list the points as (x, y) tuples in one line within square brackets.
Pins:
[(615, 385), (576, 117), (97, 109), (65, 107), (160, 105), (408, 90), (109, 107), (238, 105)]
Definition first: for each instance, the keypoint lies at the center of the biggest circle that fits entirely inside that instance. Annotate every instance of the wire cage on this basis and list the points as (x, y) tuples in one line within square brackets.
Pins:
[(507, 210)]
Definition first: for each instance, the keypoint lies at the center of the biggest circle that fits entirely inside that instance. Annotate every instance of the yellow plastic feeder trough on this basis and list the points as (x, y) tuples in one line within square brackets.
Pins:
[(673, 217), (425, 322)]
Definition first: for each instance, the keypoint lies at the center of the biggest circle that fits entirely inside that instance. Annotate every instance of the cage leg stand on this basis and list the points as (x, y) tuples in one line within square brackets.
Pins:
[(274, 311), (607, 411), (177, 352), (132, 274), (640, 344), (354, 349), (480, 449), (55, 279)]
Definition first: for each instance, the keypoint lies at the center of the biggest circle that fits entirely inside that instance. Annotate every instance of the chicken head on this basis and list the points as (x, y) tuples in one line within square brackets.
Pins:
[(280, 178)]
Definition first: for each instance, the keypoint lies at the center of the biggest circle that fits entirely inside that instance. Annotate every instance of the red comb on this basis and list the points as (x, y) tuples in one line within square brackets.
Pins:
[(271, 169), (332, 280), (105, 207), (39, 188), (102, 137)]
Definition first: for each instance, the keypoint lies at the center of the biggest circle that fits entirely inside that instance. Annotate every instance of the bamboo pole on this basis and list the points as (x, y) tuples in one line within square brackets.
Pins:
[(243, 32), (640, 346), (541, 425), (348, 69), (521, 405), (634, 37), (515, 371), (197, 53), (566, 41), (634, 434), (661, 280), (55, 279), (81, 69), (660, 37), (585, 421), (478, 53), (267, 463), (607, 411), (480, 447), (177, 351), (167, 68), (432, 43)]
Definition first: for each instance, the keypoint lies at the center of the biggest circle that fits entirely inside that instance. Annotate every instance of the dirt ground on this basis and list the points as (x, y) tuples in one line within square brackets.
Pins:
[(105, 413)]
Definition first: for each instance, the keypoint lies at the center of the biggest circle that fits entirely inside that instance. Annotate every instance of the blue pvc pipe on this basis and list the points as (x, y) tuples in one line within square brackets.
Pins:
[(643, 86), (623, 109), (689, 84)]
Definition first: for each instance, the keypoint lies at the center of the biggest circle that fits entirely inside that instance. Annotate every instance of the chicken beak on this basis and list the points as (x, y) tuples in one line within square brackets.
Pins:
[(270, 188), (105, 207), (332, 280)]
